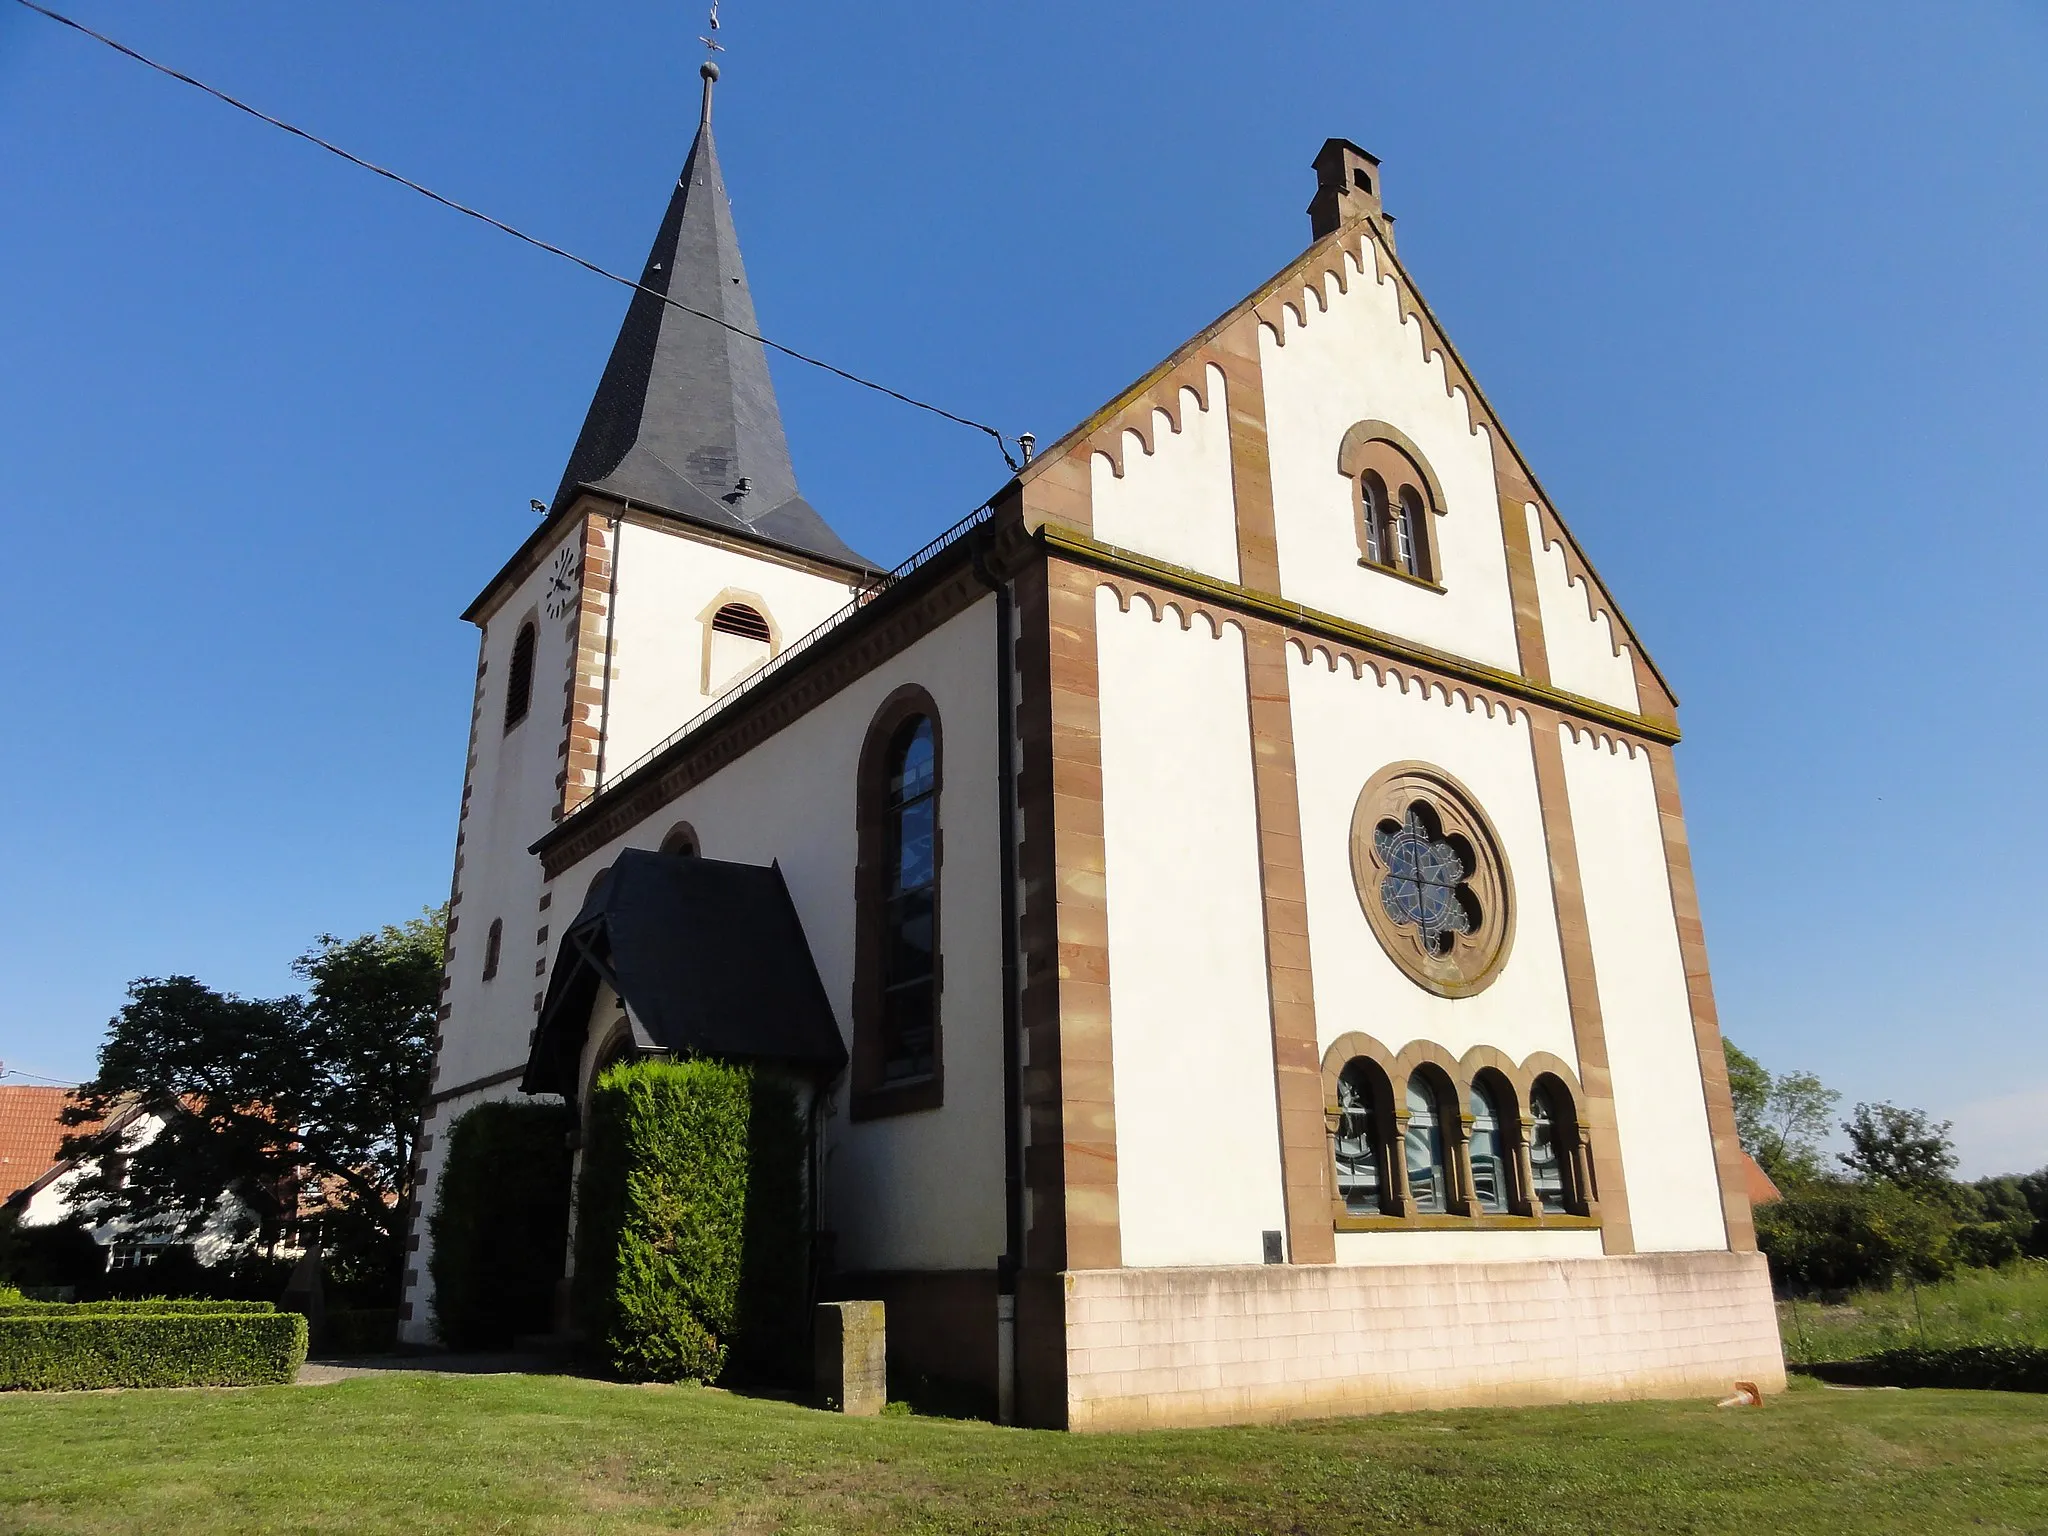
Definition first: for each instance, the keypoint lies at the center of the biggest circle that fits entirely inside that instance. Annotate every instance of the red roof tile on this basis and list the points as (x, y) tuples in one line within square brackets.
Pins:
[(29, 1134)]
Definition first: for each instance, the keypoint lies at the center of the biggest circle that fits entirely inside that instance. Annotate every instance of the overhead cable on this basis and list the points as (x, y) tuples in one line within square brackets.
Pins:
[(1002, 443)]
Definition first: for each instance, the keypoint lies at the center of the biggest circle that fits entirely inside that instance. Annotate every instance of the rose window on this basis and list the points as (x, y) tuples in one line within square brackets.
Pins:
[(1426, 883)]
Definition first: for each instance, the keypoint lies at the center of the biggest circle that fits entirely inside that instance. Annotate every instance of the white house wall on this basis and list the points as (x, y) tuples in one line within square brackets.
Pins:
[(1660, 1109), (1197, 1139), (1578, 640), (1354, 359), (1175, 502), (920, 1191), (664, 582), (1346, 729)]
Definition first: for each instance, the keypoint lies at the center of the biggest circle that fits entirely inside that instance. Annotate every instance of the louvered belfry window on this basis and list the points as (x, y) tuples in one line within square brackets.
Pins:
[(519, 677), (739, 619)]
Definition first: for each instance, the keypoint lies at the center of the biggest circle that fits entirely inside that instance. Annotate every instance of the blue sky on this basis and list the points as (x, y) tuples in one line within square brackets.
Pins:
[(1758, 289)]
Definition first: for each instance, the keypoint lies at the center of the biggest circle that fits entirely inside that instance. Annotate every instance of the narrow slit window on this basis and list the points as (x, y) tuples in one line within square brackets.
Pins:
[(519, 677), (494, 945), (910, 904)]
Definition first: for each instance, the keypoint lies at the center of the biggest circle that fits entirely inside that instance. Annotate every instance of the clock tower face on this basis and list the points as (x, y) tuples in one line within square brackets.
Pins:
[(561, 593)]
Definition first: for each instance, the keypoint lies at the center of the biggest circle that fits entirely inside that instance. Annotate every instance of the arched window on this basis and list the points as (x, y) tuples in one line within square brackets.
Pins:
[(494, 944), (1487, 1147), (1428, 1180), (1553, 1144), (1372, 517), (1361, 1141), (1409, 536), (740, 638), (682, 839), (739, 619), (519, 676), (1395, 500), (896, 1056), (909, 998)]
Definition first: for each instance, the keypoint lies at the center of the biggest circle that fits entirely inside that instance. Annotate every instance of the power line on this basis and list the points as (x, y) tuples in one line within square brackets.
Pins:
[(54, 1082), (1002, 443)]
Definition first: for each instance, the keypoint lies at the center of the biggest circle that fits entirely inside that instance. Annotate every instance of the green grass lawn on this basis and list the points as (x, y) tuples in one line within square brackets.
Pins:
[(506, 1454), (1979, 1306)]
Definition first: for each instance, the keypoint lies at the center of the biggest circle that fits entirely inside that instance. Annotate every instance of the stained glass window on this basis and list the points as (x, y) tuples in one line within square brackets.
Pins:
[(1425, 1145), (909, 993), (1489, 1154), (1547, 1166), (1361, 1180), (1424, 885)]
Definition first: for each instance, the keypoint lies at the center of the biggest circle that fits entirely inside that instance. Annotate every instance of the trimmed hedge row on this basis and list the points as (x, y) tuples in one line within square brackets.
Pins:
[(690, 1245), (500, 1225), (153, 1306), (1974, 1367), (48, 1352)]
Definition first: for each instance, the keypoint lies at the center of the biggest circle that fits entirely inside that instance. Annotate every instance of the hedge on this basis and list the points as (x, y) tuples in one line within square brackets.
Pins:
[(1978, 1367), (691, 1261), (500, 1224), (151, 1307), (150, 1349)]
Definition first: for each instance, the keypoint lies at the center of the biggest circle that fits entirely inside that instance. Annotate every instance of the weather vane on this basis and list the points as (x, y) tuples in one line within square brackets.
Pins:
[(711, 43)]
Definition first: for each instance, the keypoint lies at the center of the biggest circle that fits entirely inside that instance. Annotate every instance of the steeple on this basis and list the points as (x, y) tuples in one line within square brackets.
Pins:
[(685, 417)]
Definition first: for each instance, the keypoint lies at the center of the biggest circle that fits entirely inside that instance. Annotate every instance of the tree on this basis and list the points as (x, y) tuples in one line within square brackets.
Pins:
[(1781, 1119), (1889, 1145), (260, 1096)]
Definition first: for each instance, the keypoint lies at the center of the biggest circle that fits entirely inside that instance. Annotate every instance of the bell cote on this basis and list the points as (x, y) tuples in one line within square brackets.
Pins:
[(1347, 189)]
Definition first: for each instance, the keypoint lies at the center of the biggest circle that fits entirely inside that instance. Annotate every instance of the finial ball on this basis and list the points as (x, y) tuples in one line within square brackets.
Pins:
[(708, 70)]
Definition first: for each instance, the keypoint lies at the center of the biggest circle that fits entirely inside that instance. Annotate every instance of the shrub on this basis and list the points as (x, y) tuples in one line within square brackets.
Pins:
[(1988, 1244), (150, 1307), (360, 1331), (149, 1348), (51, 1257), (500, 1224), (1836, 1236), (691, 1256), (1973, 1367)]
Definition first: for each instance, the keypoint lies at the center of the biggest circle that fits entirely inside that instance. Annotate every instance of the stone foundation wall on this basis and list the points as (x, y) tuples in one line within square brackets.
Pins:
[(1157, 1347)]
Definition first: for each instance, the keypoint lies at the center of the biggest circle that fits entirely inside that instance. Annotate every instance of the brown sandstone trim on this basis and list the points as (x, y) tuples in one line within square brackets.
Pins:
[(1699, 990), (1514, 532), (1290, 986), (1087, 1091), (1251, 459), (582, 714), (1582, 989)]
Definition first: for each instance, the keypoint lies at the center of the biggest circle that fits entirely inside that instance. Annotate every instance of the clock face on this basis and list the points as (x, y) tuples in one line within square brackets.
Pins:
[(561, 594)]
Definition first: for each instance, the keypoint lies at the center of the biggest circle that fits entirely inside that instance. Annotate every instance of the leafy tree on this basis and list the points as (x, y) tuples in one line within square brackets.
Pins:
[(1781, 1119), (259, 1095), (1889, 1145)]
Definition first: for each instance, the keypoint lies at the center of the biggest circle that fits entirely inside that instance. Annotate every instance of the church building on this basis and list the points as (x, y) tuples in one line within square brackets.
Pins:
[(1226, 899)]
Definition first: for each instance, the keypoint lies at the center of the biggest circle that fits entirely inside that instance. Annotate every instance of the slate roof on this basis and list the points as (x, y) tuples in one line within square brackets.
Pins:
[(710, 958), (29, 1135), (685, 410)]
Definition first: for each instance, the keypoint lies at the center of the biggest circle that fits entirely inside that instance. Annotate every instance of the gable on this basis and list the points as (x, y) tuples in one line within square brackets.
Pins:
[(1340, 337)]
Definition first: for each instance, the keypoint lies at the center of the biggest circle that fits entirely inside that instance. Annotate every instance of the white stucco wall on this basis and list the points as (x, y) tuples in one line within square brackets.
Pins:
[(1578, 641), (1175, 503), (919, 1191), (1353, 361), (1346, 729), (1660, 1108), (667, 582), (1197, 1139)]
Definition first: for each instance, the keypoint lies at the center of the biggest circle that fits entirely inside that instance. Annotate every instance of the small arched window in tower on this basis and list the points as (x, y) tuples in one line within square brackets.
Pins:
[(519, 676), (681, 841), (739, 638), (1425, 1148), (493, 945), (1487, 1148), (1361, 1142)]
